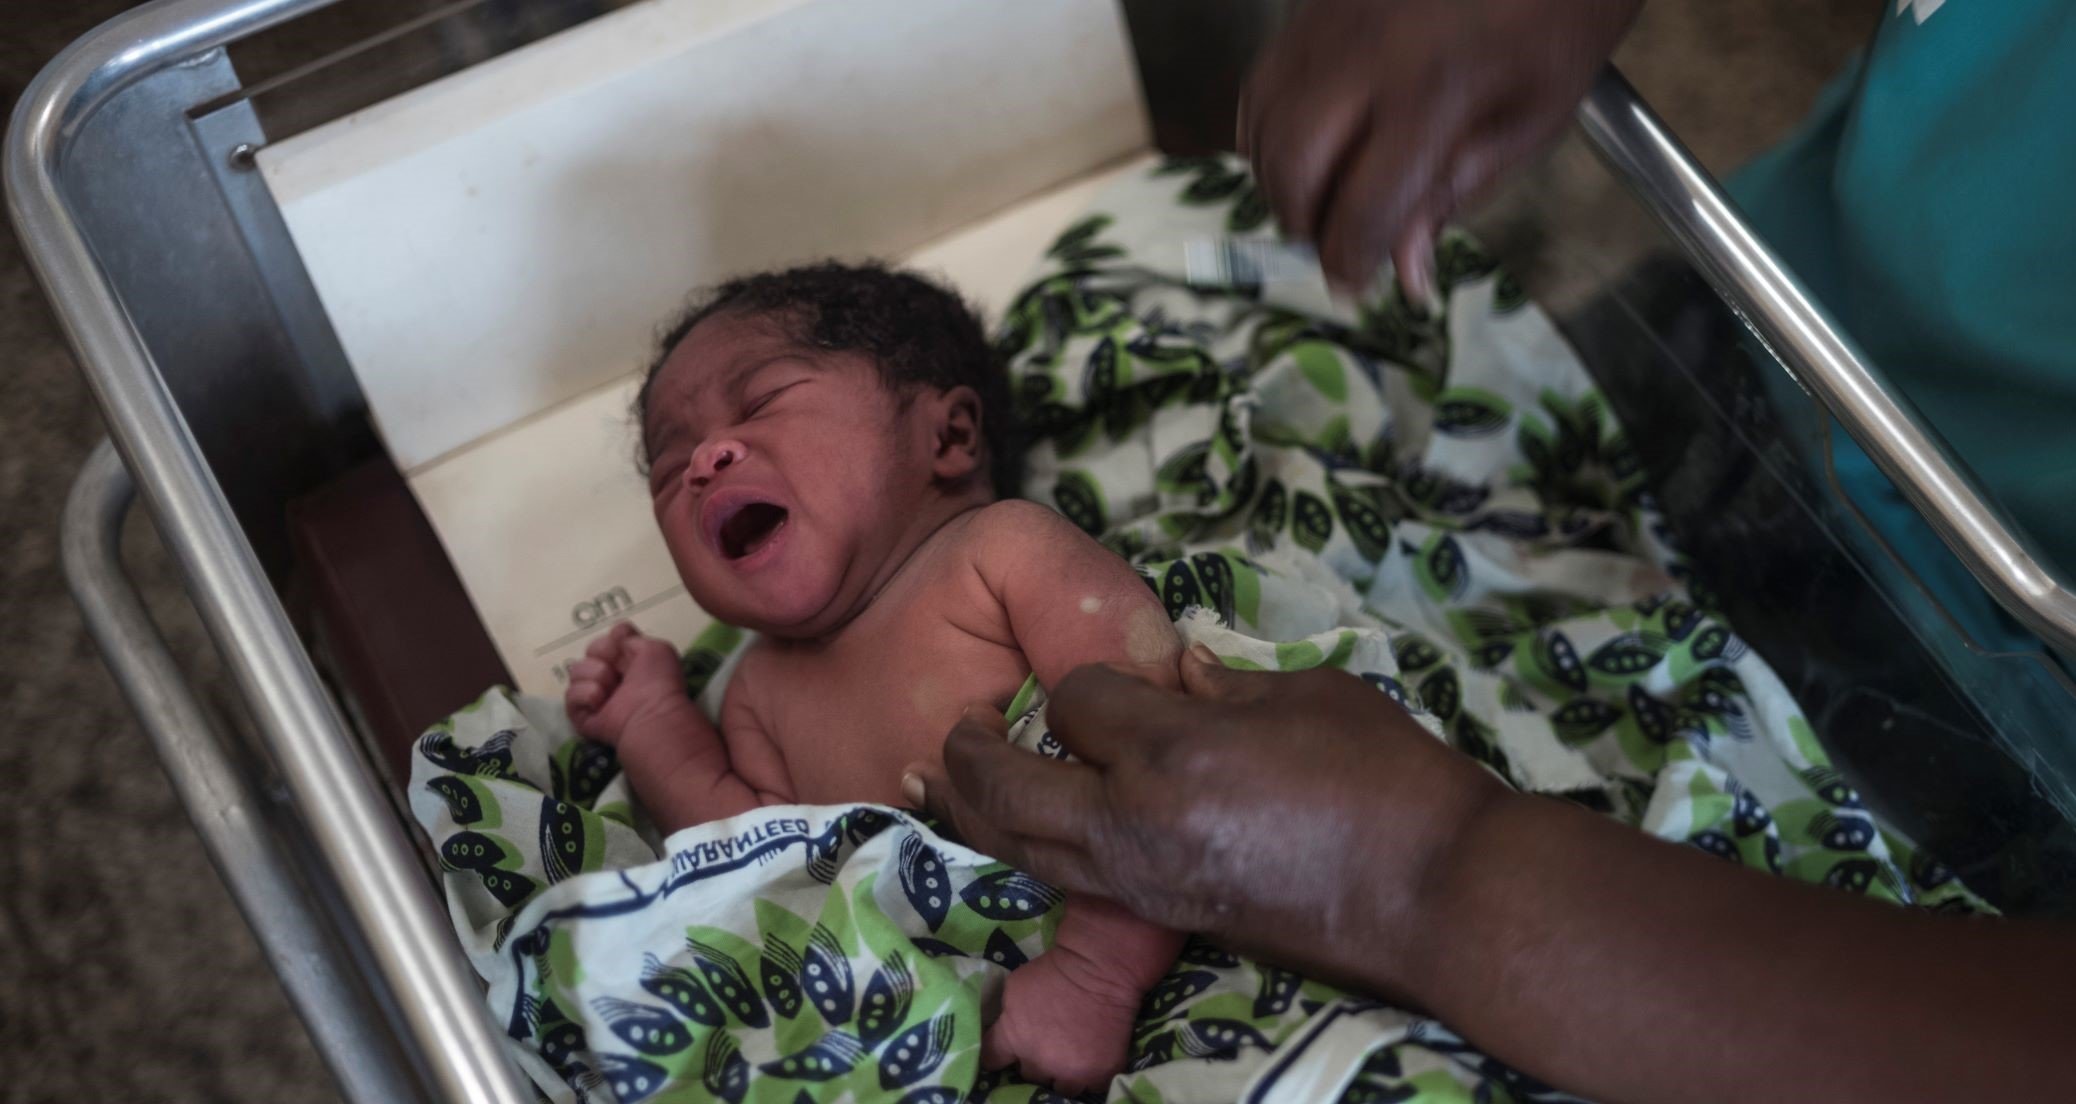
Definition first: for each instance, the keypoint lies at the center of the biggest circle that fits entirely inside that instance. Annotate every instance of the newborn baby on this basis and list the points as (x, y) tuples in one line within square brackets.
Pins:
[(830, 465)]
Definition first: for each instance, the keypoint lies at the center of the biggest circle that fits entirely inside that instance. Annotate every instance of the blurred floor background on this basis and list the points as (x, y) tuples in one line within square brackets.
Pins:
[(124, 970)]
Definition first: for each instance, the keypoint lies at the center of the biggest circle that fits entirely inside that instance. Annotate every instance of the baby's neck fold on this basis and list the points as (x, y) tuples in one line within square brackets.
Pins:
[(936, 512)]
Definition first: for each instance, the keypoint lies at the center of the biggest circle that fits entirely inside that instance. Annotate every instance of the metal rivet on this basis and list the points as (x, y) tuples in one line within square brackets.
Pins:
[(244, 155)]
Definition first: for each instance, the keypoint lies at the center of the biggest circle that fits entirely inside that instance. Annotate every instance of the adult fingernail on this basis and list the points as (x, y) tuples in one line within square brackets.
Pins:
[(980, 714), (1205, 655), (912, 789), (1419, 288)]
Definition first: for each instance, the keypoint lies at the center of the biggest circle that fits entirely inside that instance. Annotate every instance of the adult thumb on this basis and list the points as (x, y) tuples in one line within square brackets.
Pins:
[(1204, 675)]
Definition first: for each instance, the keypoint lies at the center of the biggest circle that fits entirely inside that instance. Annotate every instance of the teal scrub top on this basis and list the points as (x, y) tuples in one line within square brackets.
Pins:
[(1930, 203)]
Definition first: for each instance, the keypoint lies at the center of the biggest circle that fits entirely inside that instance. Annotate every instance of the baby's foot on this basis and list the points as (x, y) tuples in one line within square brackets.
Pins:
[(1062, 1024)]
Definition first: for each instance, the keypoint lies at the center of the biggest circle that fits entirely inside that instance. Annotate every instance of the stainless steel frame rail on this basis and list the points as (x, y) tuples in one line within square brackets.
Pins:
[(1629, 136), (362, 847), (221, 799), (392, 912)]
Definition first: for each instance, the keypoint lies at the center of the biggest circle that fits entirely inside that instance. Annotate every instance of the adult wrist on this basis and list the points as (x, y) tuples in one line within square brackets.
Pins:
[(1421, 916)]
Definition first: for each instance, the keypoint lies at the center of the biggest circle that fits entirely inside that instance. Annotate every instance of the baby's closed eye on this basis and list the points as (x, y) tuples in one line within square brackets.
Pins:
[(664, 472), (757, 405)]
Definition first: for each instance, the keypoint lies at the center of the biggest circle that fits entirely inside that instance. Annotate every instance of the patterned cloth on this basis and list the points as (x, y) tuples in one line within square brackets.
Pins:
[(1441, 504)]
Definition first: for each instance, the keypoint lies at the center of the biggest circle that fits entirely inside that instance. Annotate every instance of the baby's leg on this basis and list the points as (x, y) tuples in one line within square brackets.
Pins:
[(1067, 1015)]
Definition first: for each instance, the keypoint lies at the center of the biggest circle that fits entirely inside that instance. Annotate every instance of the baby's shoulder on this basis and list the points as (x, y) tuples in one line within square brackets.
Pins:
[(1019, 525), (1019, 545)]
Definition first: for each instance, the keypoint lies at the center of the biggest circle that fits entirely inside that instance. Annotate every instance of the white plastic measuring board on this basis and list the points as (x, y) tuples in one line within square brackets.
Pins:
[(496, 250), (507, 238)]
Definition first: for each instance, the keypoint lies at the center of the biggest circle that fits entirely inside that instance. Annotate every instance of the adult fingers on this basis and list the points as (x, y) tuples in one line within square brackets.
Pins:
[(1298, 112), (1099, 711), (591, 670), (1508, 141), (1062, 864), (1257, 92), (1019, 793), (1243, 121), (926, 787), (1412, 261), (1388, 184), (1477, 163), (1299, 139)]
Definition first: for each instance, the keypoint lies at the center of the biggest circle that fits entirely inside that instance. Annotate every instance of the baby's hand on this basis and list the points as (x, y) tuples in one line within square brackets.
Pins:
[(627, 681)]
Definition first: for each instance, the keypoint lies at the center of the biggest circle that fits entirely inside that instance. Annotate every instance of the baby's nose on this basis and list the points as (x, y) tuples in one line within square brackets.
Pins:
[(711, 457)]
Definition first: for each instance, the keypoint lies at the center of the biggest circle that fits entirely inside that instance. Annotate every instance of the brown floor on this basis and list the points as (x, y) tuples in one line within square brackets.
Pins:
[(124, 970)]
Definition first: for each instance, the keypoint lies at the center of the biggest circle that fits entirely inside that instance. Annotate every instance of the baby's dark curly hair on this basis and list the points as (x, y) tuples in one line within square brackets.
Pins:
[(917, 333)]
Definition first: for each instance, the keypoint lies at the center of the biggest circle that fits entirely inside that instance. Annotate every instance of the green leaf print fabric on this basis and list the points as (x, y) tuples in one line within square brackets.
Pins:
[(1440, 504)]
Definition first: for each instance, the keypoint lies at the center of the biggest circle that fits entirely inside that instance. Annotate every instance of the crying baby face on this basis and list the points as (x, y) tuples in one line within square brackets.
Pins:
[(784, 476)]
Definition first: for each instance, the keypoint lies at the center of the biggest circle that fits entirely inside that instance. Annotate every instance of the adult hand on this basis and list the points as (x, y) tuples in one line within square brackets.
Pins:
[(1291, 816), (1370, 121), (1304, 819)]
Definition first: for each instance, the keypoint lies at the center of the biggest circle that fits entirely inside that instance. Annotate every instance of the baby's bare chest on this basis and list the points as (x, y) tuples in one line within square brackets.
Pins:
[(848, 718)]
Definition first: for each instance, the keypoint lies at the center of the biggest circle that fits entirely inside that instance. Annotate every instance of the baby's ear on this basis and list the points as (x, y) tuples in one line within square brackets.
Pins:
[(956, 418)]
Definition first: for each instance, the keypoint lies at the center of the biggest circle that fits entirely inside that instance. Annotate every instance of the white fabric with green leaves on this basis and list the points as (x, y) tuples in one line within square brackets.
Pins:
[(1440, 504)]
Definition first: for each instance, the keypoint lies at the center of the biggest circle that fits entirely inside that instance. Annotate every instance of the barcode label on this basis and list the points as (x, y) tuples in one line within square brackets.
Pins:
[(1248, 262)]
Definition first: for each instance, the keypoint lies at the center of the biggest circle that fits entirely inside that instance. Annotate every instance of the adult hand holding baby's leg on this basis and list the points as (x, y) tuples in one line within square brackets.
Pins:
[(1301, 817)]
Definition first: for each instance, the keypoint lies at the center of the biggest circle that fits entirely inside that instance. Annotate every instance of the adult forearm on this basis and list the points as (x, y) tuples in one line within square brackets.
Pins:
[(1288, 816), (1624, 968)]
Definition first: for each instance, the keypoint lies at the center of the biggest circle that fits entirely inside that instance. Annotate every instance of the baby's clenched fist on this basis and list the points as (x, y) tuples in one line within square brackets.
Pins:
[(625, 681)]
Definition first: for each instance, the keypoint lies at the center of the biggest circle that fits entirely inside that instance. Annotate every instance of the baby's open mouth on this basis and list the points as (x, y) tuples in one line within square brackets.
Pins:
[(748, 528)]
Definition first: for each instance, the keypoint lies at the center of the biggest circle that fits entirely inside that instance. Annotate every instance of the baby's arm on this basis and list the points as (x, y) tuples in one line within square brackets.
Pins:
[(1067, 1016), (629, 692), (1071, 601)]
